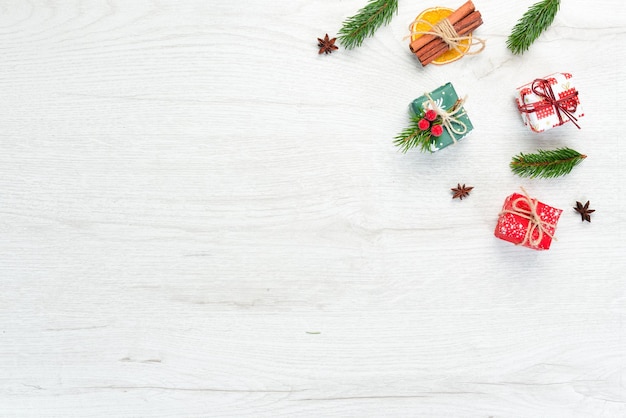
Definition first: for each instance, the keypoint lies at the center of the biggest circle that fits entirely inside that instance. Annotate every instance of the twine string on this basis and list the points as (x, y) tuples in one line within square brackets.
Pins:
[(535, 223), (444, 30), (564, 106), (450, 118)]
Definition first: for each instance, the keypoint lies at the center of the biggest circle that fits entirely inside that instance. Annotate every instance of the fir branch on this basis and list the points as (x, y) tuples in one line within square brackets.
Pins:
[(536, 19), (546, 164), (367, 20), (413, 137)]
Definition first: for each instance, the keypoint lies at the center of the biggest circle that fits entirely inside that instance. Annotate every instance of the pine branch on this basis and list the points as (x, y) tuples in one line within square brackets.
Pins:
[(367, 20), (536, 19), (546, 164), (413, 137)]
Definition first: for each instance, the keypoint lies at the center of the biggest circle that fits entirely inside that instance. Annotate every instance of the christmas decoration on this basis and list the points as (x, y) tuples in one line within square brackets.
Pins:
[(549, 102), (546, 164), (326, 45), (585, 212), (441, 35), (461, 191), (438, 120), (536, 19), (367, 20), (527, 222)]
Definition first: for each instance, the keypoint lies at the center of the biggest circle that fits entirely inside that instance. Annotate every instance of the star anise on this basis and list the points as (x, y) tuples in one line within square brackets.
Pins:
[(461, 191), (585, 212), (327, 45)]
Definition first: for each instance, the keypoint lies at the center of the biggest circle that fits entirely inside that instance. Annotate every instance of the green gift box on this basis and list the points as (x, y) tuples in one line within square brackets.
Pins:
[(446, 102)]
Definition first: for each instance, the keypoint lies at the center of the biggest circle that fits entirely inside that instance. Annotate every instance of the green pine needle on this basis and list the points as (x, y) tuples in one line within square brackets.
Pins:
[(536, 19), (413, 137), (546, 164), (367, 20)]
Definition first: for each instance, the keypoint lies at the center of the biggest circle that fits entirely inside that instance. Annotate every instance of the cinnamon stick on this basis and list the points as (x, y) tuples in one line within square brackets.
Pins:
[(435, 49), (455, 17), (428, 54), (460, 28), (427, 59)]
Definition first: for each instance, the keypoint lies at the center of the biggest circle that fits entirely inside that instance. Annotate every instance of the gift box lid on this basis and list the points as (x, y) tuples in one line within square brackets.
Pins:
[(444, 97), (548, 117), (514, 222)]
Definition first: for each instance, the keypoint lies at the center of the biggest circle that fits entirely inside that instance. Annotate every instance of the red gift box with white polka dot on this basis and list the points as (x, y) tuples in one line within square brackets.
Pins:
[(514, 223), (546, 117)]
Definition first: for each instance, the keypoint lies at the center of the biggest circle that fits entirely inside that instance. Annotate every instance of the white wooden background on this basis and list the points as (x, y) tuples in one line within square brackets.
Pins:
[(201, 216)]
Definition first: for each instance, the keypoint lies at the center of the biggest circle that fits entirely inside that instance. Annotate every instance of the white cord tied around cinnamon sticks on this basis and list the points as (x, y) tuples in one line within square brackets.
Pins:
[(451, 117), (447, 34)]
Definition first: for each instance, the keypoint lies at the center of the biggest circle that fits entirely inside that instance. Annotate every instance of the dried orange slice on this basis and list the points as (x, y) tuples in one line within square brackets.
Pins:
[(432, 16)]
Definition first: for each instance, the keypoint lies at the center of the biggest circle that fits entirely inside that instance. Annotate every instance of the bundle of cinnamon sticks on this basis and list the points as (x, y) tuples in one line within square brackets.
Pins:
[(464, 20)]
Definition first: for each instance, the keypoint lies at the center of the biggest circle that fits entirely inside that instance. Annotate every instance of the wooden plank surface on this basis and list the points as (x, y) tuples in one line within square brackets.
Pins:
[(201, 216)]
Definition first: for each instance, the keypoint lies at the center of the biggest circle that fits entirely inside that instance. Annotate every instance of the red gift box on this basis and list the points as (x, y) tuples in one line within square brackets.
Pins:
[(528, 222)]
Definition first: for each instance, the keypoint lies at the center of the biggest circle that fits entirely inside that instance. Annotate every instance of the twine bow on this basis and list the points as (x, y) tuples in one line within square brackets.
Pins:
[(450, 118), (444, 30), (563, 106), (535, 223)]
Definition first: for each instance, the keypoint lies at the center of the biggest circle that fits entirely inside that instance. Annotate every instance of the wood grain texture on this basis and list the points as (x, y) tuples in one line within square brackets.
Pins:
[(200, 216)]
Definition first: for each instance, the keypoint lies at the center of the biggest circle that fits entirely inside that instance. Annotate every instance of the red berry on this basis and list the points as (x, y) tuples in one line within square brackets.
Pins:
[(437, 130), (423, 124), (430, 115)]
